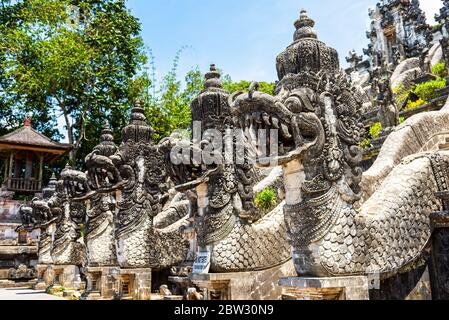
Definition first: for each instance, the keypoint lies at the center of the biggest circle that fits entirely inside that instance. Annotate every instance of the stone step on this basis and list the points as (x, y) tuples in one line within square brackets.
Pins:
[(447, 139)]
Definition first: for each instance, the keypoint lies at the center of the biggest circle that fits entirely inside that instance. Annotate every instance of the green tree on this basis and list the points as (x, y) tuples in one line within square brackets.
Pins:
[(167, 104), (231, 86), (74, 59)]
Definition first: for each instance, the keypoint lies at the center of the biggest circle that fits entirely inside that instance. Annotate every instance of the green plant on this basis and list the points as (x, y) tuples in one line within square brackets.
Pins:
[(375, 129), (440, 70), (437, 27), (413, 105), (82, 230), (428, 91), (402, 94), (365, 143), (266, 199), (56, 290), (401, 120)]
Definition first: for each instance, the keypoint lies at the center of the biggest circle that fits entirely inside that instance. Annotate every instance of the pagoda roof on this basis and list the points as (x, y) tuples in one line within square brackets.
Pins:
[(27, 138)]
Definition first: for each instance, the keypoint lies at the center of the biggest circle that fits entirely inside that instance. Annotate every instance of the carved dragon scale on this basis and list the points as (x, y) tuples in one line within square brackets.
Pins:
[(228, 226), (335, 226)]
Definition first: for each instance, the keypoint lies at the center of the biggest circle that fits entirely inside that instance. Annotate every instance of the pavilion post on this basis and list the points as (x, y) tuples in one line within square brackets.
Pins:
[(11, 163), (41, 162), (5, 175)]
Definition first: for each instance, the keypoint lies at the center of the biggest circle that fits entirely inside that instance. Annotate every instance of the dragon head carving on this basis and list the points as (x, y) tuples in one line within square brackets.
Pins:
[(315, 113)]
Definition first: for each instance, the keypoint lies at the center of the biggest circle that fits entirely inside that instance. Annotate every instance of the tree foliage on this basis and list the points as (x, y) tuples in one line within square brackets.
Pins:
[(266, 199), (68, 59), (82, 62), (231, 86)]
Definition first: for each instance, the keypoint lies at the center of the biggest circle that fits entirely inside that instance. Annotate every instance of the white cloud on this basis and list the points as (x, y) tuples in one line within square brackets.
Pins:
[(431, 7)]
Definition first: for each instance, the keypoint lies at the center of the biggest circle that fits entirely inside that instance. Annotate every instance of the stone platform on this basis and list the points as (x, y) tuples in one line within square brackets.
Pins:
[(101, 283), (256, 285), (66, 276), (134, 284), (338, 288)]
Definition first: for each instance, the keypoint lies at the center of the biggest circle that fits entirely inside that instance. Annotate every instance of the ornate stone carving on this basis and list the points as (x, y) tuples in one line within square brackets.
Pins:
[(238, 238), (137, 172), (331, 231), (44, 218), (99, 219), (22, 273), (67, 248)]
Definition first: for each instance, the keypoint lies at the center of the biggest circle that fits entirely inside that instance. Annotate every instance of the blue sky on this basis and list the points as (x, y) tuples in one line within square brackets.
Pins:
[(243, 37)]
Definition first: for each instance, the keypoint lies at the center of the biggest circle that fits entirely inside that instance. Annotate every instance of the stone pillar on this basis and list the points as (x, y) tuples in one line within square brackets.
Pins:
[(41, 275), (137, 281), (49, 276), (142, 285), (439, 264)]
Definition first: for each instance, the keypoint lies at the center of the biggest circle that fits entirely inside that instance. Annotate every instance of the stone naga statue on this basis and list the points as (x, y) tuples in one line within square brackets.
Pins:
[(43, 218), (332, 232), (64, 249), (145, 235), (99, 220), (225, 219), (67, 248)]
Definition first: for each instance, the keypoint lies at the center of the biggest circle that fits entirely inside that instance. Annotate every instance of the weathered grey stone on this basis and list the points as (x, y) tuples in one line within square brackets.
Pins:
[(333, 232), (343, 288), (435, 54), (254, 285)]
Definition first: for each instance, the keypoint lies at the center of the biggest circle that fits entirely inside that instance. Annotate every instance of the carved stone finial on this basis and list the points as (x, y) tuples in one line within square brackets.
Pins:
[(304, 27), (213, 78), (106, 133), (106, 147), (50, 189), (138, 129), (305, 57), (210, 107)]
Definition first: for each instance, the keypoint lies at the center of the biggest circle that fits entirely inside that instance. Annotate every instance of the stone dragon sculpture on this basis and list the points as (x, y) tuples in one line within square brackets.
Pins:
[(146, 235), (61, 247), (332, 231), (225, 219), (67, 249), (99, 219), (39, 216)]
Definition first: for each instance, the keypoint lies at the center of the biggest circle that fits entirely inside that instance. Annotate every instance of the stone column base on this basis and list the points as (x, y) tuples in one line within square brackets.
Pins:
[(65, 276), (338, 288), (255, 285), (44, 277), (181, 284), (101, 283), (134, 284)]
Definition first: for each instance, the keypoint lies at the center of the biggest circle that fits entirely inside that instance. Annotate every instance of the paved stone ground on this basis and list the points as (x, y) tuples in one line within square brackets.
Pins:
[(25, 294)]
